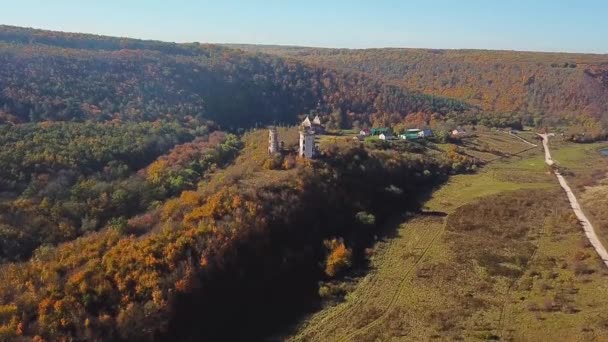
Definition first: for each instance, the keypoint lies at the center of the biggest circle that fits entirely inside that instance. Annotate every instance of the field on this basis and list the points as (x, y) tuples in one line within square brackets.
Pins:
[(586, 171), (507, 260)]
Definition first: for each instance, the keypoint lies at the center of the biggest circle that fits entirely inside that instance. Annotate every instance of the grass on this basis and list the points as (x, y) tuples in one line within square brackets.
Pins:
[(586, 172), (508, 261), (248, 169), (489, 147), (577, 156)]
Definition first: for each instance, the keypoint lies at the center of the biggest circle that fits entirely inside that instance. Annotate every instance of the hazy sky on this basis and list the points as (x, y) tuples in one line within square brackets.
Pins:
[(546, 25)]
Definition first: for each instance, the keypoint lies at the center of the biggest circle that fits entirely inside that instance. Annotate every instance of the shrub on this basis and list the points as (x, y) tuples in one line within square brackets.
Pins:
[(366, 218), (289, 162), (272, 163), (339, 257)]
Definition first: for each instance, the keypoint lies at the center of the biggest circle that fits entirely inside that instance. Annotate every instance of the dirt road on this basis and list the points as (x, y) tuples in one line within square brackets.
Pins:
[(587, 226)]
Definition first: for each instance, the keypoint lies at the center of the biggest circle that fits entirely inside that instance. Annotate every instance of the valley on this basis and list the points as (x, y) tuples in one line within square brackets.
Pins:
[(508, 260), (166, 191)]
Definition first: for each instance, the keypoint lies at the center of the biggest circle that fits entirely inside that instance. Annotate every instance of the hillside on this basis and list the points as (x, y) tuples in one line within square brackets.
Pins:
[(56, 76), (552, 84)]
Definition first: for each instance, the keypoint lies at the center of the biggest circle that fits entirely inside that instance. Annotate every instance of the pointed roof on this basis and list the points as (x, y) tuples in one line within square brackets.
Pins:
[(306, 122), (316, 120)]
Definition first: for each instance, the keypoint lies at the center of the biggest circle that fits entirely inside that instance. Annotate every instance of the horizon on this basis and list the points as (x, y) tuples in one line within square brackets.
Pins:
[(569, 27), (308, 46)]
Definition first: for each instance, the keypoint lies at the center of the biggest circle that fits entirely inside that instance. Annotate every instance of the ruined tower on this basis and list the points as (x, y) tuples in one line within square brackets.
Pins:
[(307, 144), (273, 142)]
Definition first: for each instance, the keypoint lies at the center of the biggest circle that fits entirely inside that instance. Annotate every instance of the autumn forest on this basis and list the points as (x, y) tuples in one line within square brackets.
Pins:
[(138, 200)]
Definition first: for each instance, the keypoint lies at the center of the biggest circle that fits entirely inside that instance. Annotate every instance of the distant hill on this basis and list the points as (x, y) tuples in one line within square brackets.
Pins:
[(554, 84), (57, 76)]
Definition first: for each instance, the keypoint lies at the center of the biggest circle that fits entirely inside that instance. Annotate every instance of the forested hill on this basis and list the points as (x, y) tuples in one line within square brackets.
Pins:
[(498, 81), (56, 76)]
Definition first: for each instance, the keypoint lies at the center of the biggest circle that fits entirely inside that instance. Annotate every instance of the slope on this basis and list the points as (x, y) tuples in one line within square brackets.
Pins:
[(498, 81), (56, 76)]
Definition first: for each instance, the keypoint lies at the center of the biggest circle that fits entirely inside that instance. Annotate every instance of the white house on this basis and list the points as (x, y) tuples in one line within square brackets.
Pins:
[(313, 125), (316, 120), (306, 123)]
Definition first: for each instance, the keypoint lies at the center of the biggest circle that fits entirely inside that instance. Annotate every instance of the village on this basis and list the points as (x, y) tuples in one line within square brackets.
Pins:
[(310, 131)]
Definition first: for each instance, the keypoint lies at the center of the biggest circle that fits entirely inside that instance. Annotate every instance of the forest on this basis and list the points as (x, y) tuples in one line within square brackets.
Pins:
[(553, 86), (136, 195), (182, 255), (62, 180), (69, 77)]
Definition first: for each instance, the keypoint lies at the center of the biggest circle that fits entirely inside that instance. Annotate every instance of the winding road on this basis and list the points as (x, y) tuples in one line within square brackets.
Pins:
[(587, 226)]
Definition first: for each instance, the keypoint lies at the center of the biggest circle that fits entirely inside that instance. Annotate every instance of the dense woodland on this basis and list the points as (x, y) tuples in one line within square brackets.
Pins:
[(62, 180), (555, 89), (497, 81), (191, 266), (53, 76)]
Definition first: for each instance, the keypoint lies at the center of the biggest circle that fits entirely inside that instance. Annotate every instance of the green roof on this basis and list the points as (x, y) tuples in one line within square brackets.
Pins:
[(380, 130)]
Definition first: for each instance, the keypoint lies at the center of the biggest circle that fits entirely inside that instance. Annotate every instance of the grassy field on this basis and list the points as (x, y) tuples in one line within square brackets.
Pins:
[(508, 261), (493, 146), (587, 172)]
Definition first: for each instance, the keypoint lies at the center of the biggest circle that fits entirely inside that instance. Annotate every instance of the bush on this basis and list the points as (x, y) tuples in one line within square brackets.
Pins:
[(366, 218), (272, 163), (339, 257), (289, 162)]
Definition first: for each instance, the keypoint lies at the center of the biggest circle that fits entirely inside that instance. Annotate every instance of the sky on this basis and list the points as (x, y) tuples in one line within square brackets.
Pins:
[(534, 25)]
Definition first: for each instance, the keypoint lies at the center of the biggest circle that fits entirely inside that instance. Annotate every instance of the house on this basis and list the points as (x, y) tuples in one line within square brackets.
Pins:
[(316, 120), (380, 130), (314, 125), (306, 123), (386, 136), (410, 134), (459, 132), (425, 133), (359, 138), (415, 133), (365, 132)]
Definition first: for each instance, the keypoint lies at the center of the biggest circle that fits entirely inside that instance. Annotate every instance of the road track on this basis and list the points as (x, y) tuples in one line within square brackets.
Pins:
[(576, 207)]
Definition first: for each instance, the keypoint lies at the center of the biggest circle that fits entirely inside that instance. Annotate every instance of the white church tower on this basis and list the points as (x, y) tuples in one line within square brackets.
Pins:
[(273, 142), (307, 144)]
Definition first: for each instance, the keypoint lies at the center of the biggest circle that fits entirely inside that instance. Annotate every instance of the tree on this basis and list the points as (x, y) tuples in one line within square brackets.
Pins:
[(339, 257)]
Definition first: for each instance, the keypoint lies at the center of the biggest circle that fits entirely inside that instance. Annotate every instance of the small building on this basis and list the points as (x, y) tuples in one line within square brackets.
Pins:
[(425, 133), (308, 149), (386, 136), (380, 130), (410, 134), (306, 123), (315, 125), (365, 132), (459, 132), (316, 120)]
